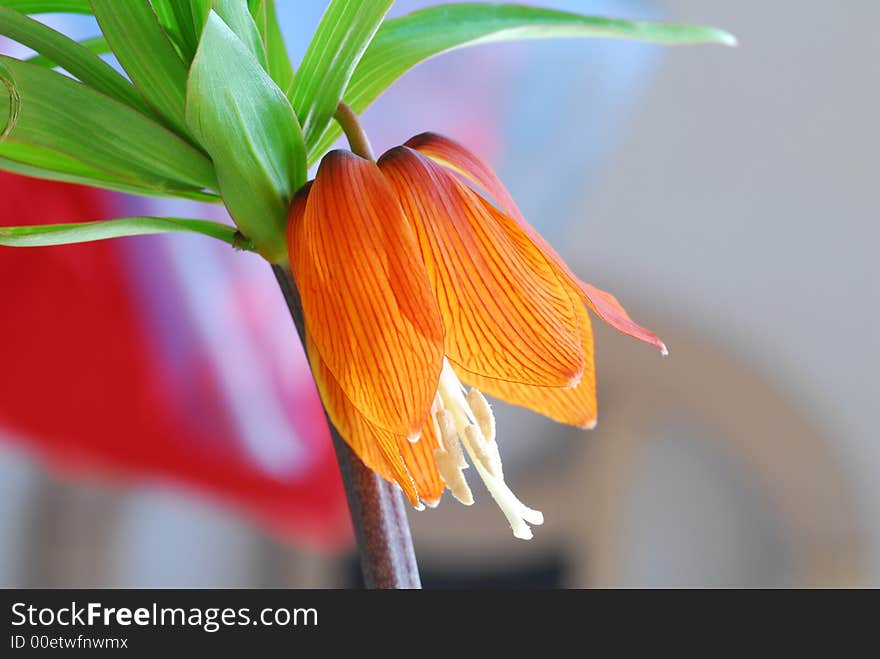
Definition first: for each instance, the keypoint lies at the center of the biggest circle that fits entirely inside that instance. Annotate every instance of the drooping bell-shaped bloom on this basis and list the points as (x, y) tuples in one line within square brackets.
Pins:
[(106, 371), (418, 275)]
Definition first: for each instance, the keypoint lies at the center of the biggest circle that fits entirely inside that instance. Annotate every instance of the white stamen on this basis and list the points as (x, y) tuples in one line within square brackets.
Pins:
[(449, 438), (486, 420), (474, 426), (453, 476), (490, 459), (450, 458), (480, 407)]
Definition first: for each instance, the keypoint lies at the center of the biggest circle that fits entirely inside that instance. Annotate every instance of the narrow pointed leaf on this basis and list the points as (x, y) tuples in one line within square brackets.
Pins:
[(342, 36), (62, 115), (96, 45), (249, 128), (403, 42), (40, 162), (78, 60), (238, 18), (145, 52), (198, 13), (83, 232), (165, 13), (277, 59), (183, 20), (49, 6)]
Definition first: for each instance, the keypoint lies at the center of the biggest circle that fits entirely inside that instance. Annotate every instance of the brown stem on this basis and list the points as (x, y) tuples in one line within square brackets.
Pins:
[(378, 511)]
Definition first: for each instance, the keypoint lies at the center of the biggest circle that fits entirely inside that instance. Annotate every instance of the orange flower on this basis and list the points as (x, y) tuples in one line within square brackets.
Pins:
[(413, 282)]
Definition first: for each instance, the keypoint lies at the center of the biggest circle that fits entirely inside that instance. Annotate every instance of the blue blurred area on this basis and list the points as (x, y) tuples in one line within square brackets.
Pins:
[(558, 105)]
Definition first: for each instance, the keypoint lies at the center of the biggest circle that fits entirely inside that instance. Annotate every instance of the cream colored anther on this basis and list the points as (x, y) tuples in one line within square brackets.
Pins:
[(450, 458), (474, 426)]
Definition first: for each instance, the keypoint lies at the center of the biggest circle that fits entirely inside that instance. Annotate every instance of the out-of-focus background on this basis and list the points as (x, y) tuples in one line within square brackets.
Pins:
[(727, 196)]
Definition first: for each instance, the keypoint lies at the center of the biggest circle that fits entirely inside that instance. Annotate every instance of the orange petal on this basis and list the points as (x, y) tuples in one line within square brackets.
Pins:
[(395, 458), (419, 459), (378, 449), (575, 406), (366, 298), (456, 157), (506, 313), (296, 213)]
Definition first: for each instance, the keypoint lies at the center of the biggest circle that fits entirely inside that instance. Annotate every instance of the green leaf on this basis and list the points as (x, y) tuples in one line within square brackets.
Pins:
[(250, 130), (71, 56), (13, 98), (167, 18), (48, 6), (96, 45), (278, 61), (403, 42), (84, 232), (61, 115), (341, 38), (40, 162), (238, 18), (147, 55), (186, 17)]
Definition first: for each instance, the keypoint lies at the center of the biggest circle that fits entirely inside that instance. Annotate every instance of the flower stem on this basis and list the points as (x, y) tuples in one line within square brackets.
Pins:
[(378, 511), (357, 138)]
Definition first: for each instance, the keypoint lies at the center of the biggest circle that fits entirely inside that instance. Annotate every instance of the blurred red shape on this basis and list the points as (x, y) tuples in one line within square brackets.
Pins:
[(81, 389)]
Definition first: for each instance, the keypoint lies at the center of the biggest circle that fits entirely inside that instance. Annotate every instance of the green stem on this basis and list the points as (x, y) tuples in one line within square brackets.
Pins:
[(357, 138)]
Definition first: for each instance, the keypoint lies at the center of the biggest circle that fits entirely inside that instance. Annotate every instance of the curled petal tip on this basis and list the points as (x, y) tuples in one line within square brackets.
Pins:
[(663, 349), (428, 136), (420, 506), (450, 154), (590, 425), (393, 153), (431, 504)]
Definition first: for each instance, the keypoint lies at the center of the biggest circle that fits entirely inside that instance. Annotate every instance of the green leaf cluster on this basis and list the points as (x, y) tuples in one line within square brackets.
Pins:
[(208, 105)]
